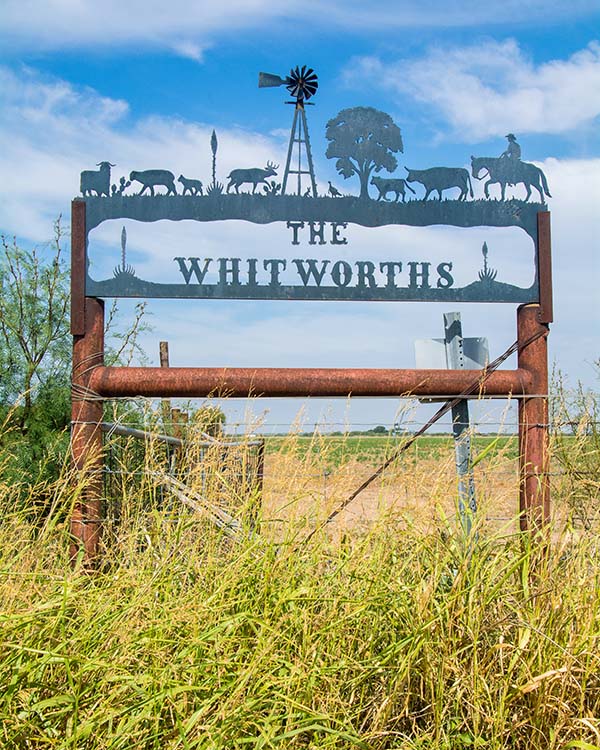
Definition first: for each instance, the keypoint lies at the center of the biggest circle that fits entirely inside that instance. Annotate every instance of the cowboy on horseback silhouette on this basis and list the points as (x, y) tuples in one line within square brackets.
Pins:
[(511, 159), (513, 150)]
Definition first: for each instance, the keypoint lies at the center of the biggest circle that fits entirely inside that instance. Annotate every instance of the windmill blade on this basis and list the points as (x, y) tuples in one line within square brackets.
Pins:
[(293, 77), (268, 80), (310, 86)]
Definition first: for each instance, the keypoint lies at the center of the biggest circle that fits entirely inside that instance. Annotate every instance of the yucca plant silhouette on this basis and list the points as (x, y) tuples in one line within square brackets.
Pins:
[(124, 270), (215, 188), (488, 274)]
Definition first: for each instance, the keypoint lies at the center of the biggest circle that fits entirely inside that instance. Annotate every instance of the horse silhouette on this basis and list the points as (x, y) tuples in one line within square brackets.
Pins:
[(509, 172)]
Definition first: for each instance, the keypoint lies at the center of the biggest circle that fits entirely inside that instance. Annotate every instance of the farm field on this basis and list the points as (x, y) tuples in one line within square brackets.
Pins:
[(418, 487), (366, 448), (421, 485)]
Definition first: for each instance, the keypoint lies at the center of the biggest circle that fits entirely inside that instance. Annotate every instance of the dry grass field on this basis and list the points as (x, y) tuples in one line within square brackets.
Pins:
[(388, 629), (414, 492)]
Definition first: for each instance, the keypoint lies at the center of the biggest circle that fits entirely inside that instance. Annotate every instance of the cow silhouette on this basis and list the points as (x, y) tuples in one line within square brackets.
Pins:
[(442, 178)]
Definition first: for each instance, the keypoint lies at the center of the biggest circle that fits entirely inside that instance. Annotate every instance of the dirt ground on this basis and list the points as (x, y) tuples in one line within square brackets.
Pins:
[(410, 493)]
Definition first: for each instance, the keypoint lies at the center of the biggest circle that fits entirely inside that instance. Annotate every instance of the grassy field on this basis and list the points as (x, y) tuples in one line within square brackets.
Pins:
[(386, 630), (372, 448)]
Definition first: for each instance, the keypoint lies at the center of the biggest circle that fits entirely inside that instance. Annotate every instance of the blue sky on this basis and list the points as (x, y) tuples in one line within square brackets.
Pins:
[(143, 83)]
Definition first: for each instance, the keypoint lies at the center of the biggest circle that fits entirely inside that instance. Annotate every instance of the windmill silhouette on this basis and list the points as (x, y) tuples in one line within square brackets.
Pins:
[(302, 84)]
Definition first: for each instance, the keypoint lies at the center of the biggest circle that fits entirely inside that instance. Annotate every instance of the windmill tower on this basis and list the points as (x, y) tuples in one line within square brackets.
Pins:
[(302, 84)]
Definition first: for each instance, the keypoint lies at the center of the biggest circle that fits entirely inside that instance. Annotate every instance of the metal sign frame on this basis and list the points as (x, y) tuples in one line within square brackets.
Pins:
[(325, 278)]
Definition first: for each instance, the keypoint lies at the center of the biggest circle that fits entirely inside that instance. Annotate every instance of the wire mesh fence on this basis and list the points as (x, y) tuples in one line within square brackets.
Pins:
[(273, 477)]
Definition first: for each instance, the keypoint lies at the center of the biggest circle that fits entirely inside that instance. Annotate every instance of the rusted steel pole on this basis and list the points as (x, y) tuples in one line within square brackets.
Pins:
[(197, 382), (544, 250), (534, 496), (86, 435), (78, 267)]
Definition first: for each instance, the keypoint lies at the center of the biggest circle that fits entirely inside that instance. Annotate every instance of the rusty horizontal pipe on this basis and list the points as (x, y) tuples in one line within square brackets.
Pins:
[(198, 382)]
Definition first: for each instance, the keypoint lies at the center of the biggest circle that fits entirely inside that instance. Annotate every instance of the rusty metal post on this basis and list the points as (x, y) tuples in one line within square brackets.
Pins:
[(534, 496), (87, 327), (544, 252), (86, 435), (78, 266)]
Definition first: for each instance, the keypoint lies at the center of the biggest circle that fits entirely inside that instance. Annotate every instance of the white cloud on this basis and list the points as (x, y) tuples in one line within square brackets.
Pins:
[(190, 49), (575, 187), (135, 25), (38, 98), (383, 14), (54, 130), (186, 27), (490, 88)]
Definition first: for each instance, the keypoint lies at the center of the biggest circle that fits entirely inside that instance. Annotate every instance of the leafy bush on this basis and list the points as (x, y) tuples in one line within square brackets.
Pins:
[(35, 358)]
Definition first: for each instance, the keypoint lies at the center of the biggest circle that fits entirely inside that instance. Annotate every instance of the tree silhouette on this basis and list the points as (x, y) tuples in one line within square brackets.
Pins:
[(363, 139)]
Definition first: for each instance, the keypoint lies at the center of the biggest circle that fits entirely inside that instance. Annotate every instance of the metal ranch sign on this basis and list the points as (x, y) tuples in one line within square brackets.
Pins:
[(364, 144), (395, 233)]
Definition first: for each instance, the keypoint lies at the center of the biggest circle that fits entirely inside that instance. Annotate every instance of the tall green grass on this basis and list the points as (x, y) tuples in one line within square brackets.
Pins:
[(384, 636)]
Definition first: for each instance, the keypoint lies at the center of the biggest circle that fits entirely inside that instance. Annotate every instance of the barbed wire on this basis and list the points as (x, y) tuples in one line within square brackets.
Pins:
[(473, 424), (329, 474)]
